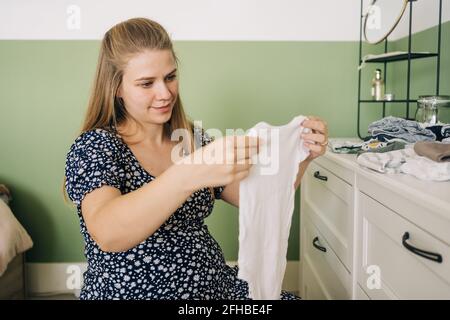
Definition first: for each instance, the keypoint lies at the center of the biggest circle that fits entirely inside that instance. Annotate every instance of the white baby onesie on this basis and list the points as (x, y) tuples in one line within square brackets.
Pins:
[(266, 203)]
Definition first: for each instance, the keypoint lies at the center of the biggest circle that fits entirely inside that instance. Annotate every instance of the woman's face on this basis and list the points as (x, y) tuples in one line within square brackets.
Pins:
[(149, 83)]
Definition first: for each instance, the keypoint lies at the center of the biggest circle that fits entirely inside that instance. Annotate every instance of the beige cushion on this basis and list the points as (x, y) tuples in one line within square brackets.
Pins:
[(13, 237)]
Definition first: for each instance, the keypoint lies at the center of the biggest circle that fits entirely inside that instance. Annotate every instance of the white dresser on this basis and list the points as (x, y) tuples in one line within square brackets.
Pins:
[(364, 235)]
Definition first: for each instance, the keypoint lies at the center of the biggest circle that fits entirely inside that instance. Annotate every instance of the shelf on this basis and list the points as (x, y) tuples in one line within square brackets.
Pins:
[(405, 55), (400, 57), (387, 101)]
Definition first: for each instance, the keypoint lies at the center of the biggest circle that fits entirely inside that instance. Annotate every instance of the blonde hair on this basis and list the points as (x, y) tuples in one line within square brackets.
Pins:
[(119, 44), (105, 110)]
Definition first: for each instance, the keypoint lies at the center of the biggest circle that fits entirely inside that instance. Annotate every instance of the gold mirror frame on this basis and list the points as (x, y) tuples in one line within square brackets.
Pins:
[(402, 11)]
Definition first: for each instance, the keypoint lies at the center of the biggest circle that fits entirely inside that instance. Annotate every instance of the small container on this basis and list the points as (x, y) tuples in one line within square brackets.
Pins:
[(389, 96), (377, 91), (427, 108)]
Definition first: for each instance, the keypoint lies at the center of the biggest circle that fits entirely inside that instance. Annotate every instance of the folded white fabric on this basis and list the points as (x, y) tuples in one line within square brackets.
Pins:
[(13, 237), (406, 161), (427, 169), (387, 162), (266, 203)]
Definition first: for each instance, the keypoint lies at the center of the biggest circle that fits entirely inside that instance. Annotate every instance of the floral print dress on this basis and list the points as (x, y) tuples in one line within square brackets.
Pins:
[(181, 260)]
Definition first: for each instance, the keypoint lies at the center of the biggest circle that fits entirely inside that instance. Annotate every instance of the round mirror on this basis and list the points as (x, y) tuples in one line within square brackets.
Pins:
[(381, 17)]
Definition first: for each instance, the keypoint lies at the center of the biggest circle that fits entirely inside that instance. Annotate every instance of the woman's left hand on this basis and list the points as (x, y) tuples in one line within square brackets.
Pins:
[(317, 140)]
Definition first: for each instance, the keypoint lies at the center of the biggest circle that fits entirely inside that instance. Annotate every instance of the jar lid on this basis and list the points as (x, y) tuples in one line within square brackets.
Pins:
[(435, 101)]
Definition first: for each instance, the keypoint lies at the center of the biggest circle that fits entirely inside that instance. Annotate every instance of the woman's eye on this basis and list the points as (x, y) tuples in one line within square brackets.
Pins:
[(149, 84), (172, 77)]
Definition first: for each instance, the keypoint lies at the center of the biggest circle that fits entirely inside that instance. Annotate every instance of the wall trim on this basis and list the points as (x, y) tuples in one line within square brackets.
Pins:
[(48, 279)]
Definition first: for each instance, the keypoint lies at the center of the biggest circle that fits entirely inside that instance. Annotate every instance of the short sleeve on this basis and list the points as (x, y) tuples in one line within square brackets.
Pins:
[(92, 162), (202, 137)]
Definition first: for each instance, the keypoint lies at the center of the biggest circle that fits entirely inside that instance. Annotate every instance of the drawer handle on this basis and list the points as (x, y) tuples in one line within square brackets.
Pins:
[(316, 239), (318, 176), (426, 254)]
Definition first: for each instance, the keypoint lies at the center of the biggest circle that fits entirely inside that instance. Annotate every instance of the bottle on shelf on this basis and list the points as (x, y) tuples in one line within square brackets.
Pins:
[(377, 86)]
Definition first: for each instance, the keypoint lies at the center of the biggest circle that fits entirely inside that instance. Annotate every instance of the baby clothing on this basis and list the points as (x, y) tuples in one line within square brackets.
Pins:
[(406, 161), (436, 151), (339, 146), (389, 162), (391, 127), (266, 204), (441, 130)]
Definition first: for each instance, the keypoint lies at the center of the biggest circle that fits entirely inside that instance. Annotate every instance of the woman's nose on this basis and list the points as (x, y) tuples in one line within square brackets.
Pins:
[(162, 91)]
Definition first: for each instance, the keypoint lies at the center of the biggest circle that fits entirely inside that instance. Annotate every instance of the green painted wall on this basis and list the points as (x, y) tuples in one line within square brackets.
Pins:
[(44, 88), (423, 71)]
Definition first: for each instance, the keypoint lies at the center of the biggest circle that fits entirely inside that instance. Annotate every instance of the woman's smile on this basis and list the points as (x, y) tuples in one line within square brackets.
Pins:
[(163, 108)]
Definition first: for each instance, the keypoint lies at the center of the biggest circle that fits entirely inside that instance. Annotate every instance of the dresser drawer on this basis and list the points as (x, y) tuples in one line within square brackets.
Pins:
[(324, 276), (328, 200), (360, 294), (424, 203), (313, 288), (348, 175), (383, 254)]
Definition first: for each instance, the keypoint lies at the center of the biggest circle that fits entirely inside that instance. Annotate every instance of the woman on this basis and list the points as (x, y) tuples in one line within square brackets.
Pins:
[(148, 240)]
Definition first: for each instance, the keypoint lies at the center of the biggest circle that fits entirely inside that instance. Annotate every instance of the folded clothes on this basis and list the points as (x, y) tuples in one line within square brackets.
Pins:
[(384, 147), (445, 131), (373, 144), (392, 127), (340, 146), (388, 162), (436, 151), (441, 131), (406, 161), (426, 169)]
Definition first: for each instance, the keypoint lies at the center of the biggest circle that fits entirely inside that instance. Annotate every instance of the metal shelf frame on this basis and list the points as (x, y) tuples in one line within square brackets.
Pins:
[(405, 57)]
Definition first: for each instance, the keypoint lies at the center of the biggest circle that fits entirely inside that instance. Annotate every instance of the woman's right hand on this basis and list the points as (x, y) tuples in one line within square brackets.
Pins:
[(221, 162)]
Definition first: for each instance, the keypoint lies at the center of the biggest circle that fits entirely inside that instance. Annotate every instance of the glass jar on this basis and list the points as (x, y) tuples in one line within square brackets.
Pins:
[(428, 107)]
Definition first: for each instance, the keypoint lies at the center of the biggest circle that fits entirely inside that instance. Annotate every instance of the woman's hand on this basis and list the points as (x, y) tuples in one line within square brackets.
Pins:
[(317, 140), (221, 162)]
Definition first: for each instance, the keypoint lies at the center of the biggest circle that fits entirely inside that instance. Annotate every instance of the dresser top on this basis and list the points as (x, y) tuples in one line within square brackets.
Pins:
[(433, 194)]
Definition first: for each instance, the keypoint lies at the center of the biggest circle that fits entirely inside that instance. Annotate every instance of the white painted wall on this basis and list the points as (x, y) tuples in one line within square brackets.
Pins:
[(187, 19), (295, 20), (425, 15)]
